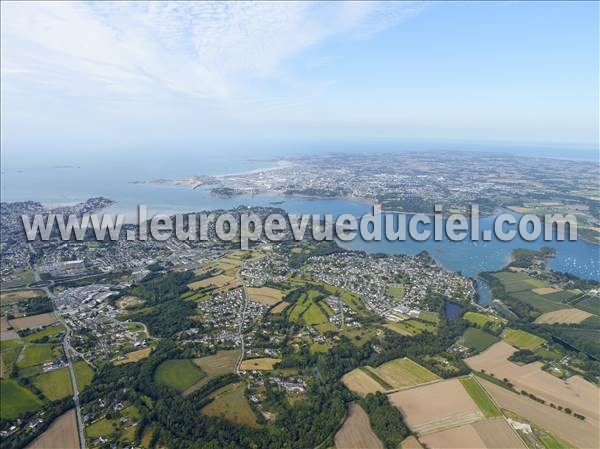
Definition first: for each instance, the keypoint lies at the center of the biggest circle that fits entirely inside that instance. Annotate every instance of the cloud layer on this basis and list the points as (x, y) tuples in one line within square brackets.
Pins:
[(202, 50)]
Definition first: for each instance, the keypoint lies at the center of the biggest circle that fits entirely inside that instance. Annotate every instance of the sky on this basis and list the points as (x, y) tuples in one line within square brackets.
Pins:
[(91, 77)]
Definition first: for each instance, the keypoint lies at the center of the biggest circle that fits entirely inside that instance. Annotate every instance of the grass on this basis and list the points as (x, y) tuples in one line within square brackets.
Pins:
[(522, 339), (318, 347), (480, 397), (411, 327), (481, 319), (179, 374), (49, 332), (551, 442), (230, 403), (478, 339), (83, 373), (430, 317), (102, 427), (10, 350), (404, 372), (55, 384), (16, 400), (35, 354), (396, 291)]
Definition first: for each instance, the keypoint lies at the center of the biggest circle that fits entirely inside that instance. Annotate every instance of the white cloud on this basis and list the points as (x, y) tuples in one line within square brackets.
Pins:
[(135, 50)]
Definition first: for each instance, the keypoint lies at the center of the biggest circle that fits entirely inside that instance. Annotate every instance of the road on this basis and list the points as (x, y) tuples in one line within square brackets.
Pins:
[(240, 328), (67, 350)]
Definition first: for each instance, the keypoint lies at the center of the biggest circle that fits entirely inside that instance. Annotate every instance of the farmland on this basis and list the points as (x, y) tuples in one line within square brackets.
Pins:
[(223, 362), (55, 384), (567, 316), (401, 373), (486, 434), (265, 295), (522, 339), (260, 364), (361, 383), (16, 400), (478, 339), (356, 432), (480, 397), (392, 375), (50, 331), (437, 406), (134, 356), (279, 308), (575, 393), (396, 291), (36, 354), (83, 373), (33, 321), (483, 319), (579, 433), (411, 327), (62, 434), (219, 281), (15, 296), (310, 311), (179, 374), (230, 403)]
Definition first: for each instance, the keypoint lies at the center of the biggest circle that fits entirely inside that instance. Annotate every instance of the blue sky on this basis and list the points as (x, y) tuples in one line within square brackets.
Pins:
[(102, 76)]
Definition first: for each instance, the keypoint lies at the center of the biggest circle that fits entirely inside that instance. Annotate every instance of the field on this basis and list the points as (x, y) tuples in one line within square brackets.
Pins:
[(352, 300), (356, 432), (478, 339), (361, 383), (308, 311), (218, 281), (16, 400), (223, 362), (437, 406), (134, 356), (481, 319), (83, 373), (516, 282), (33, 321), (480, 397), (179, 374), (486, 434), (102, 427), (35, 354), (279, 307), (411, 327), (589, 304), (563, 316), (265, 295), (411, 443), (522, 339), (230, 403), (396, 291), (15, 296), (430, 317), (402, 373), (579, 433), (50, 331), (62, 434), (260, 364), (55, 384), (575, 393)]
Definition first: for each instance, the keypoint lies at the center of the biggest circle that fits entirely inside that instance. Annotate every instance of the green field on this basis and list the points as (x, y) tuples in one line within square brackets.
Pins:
[(400, 373), (179, 374), (10, 350), (551, 442), (16, 400), (396, 291), (478, 339), (411, 327), (83, 373), (36, 354), (589, 304), (310, 311), (430, 317), (481, 319), (522, 339), (480, 397), (102, 427), (516, 282), (55, 384), (230, 403), (49, 332)]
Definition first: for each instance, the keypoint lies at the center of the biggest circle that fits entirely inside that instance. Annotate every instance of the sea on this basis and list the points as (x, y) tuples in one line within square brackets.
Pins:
[(71, 180)]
